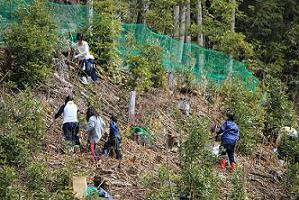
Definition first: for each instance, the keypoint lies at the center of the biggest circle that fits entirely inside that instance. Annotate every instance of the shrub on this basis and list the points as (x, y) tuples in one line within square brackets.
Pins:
[(145, 64), (104, 35), (31, 41), (145, 67), (8, 176), (22, 131), (289, 148), (238, 186), (280, 110), (161, 184), (185, 77), (23, 115), (36, 176), (250, 113), (153, 55), (64, 195), (14, 151), (61, 179), (140, 75), (198, 177), (292, 181)]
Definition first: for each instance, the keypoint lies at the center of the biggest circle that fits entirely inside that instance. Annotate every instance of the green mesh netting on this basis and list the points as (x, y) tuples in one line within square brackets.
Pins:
[(213, 65)]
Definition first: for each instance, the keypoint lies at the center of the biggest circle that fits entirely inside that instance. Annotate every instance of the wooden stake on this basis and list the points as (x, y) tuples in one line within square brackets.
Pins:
[(131, 114)]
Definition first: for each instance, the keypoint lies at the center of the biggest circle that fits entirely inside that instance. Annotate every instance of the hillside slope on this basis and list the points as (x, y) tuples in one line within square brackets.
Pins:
[(154, 110)]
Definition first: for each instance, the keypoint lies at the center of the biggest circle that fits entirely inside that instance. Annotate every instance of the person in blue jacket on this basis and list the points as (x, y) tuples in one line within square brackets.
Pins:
[(229, 132), (114, 139)]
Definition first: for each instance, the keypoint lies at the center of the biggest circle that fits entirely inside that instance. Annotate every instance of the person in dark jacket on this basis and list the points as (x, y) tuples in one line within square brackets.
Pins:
[(229, 132), (114, 139), (70, 121)]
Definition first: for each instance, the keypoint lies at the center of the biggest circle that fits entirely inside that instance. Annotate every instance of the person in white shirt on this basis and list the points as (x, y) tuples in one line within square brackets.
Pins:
[(86, 60), (95, 129), (70, 121)]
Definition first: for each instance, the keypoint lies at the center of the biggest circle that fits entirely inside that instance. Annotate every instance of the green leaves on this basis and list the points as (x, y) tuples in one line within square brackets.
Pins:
[(140, 75), (197, 175), (31, 41), (145, 67), (292, 180), (250, 113), (238, 186), (280, 110), (22, 129), (8, 177), (161, 183), (104, 34), (160, 16)]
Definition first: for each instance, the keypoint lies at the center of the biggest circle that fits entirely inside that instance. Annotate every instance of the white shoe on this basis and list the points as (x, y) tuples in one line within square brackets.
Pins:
[(89, 79), (84, 80)]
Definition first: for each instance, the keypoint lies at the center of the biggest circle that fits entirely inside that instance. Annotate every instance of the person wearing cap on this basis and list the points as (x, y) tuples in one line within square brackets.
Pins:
[(70, 125), (229, 132)]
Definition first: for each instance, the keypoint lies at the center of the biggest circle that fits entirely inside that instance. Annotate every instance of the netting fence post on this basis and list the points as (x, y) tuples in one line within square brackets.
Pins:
[(131, 113), (171, 82)]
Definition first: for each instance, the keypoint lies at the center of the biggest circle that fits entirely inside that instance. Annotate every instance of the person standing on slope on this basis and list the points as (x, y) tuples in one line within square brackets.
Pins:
[(95, 129), (114, 139), (70, 121), (229, 132)]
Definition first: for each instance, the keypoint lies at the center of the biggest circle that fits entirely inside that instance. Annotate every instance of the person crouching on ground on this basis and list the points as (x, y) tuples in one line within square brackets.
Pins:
[(99, 188), (86, 60), (229, 132), (70, 121), (95, 129), (114, 139)]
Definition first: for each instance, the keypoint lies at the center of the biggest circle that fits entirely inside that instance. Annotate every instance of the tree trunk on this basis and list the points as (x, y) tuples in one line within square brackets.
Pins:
[(200, 41), (90, 13), (199, 23), (232, 28), (233, 17), (188, 22), (176, 21), (140, 13), (182, 31), (183, 23)]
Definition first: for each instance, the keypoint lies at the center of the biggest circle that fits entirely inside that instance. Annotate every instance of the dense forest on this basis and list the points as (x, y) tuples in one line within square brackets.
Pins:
[(172, 53)]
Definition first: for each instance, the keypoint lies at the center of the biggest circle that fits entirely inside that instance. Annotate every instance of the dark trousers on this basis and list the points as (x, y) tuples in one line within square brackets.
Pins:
[(113, 144), (229, 149), (90, 69), (70, 131)]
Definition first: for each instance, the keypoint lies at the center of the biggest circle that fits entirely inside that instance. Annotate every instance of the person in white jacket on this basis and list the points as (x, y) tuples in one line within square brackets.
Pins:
[(95, 129), (70, 125), (86, 60)]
